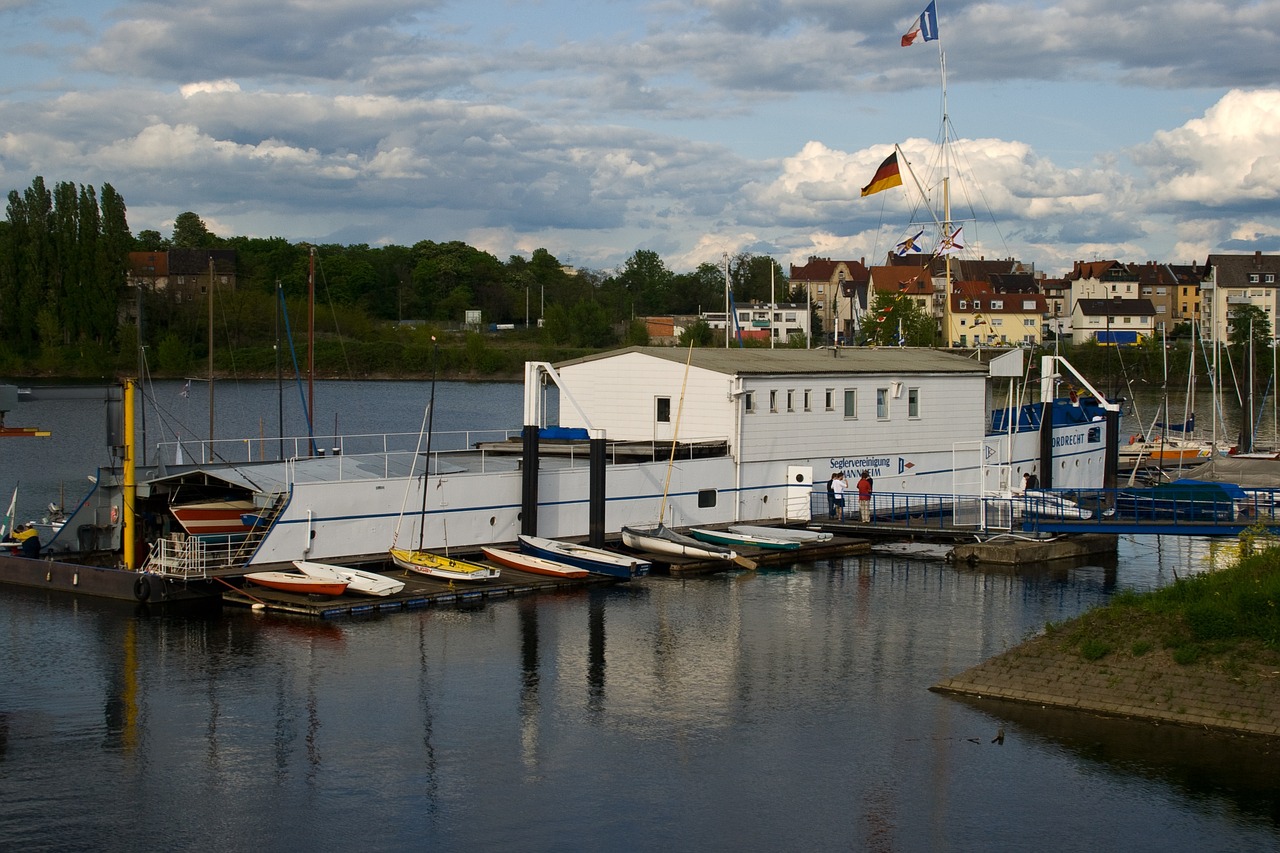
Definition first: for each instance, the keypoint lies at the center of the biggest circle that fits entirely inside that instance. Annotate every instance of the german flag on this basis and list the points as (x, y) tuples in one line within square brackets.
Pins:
[(886, 176)]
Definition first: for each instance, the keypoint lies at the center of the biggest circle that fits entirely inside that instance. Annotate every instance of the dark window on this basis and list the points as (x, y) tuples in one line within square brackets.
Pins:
[(664, 410), (706, 498)]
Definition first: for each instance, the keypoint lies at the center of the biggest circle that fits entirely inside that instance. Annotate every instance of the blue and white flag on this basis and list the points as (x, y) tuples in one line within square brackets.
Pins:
[(926, 25), (911, 244)]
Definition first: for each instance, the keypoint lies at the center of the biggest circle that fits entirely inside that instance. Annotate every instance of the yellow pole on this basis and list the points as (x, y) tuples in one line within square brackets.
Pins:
[(130, 482)]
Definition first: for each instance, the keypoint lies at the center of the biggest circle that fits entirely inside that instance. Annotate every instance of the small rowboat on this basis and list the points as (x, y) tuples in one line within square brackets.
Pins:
[(531, 563), (212, 516), (436, 566), (751, 540), (662, 540), (366, 583), (595, 560), (795, 535), (304, 584)]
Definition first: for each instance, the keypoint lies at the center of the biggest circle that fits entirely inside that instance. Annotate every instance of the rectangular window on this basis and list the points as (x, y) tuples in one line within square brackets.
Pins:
[(749, 402), (791, 406), (882, 404), (663, 410), (706, 498), (773, 401), (1028, 305), (1271, 278), (913, 402), (850, 402), (997, 304), (830, 399), (806, 399)]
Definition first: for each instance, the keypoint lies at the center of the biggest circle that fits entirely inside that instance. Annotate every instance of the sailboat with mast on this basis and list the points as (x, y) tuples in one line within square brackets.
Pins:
[(419, 559), (1012, 446)]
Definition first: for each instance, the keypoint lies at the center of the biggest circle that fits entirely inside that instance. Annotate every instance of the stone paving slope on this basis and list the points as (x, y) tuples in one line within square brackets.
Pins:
[(1050, 670)]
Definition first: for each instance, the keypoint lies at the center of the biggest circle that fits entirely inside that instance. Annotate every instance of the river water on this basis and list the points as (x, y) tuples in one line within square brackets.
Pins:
[(785, 709)]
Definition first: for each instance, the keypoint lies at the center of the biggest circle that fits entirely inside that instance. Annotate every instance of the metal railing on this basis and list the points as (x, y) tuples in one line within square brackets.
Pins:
[(1191, 511), (192, 557)]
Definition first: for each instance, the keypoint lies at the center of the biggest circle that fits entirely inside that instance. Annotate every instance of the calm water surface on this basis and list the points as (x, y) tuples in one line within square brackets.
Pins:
[(776, 710)]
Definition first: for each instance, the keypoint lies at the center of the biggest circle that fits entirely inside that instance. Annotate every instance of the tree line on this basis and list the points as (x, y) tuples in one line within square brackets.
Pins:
[(64, 289)]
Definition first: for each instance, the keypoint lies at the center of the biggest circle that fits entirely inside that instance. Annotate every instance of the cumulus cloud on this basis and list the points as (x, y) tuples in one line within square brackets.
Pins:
[(691, 129)]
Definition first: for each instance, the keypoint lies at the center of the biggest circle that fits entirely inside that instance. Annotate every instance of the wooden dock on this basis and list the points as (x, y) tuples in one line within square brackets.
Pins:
[(423, 591)]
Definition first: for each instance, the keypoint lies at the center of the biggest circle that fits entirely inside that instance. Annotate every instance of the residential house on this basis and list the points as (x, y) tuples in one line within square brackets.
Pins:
[(980, 316), (1112, 321), (1231, 281), (837, 292), (759, 321), (183, 275), (1174, 291)]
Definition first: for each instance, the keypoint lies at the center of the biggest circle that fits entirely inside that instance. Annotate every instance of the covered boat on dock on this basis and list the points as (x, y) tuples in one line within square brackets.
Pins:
[(661, 539), (532, 563), (299, 583), (731, 538), (595, 560), (439, 566), (357, 580)]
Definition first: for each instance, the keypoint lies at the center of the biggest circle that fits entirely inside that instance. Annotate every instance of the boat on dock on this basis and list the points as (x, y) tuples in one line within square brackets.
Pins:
[(667, 542), (440, 566), (299, 583), (532, 563), (731, 538), (595, 560), (804, 537), (357, 580), (213, 516)]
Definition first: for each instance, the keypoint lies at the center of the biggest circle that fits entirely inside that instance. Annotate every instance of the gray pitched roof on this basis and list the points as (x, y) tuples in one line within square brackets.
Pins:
[(1112, 307), (771, 362)]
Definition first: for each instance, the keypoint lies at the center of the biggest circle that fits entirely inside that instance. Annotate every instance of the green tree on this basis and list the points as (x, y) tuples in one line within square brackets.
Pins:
[(190, 232), (647, 283), (895, 314), (699, 334)]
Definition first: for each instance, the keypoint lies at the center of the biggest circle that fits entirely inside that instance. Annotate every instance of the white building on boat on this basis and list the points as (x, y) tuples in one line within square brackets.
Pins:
[(700, 437)]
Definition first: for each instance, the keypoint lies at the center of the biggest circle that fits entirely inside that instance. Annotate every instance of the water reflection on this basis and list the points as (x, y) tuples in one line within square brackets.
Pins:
[(1209, 768), (780, 709)]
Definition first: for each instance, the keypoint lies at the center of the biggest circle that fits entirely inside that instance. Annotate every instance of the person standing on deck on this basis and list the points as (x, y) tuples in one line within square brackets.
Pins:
[(837, 495), (864, 497)]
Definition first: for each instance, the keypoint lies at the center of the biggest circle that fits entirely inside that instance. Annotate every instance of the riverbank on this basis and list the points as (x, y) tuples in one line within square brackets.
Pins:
[(1199, 653)]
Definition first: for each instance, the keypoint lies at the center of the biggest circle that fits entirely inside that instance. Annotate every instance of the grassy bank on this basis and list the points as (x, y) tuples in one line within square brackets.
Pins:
[(1229, 616)]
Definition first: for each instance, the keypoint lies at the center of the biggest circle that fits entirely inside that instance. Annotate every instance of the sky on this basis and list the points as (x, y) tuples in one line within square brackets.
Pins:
[(1078, 130)]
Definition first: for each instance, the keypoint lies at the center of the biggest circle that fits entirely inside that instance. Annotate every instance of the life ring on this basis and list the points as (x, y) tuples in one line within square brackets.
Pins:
[(142, 588), (115, 514)]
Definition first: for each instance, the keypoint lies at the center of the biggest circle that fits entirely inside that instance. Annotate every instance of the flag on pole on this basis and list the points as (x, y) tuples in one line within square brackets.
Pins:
[(926, 25), (950, 245), (911, 244), (885, 177)]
